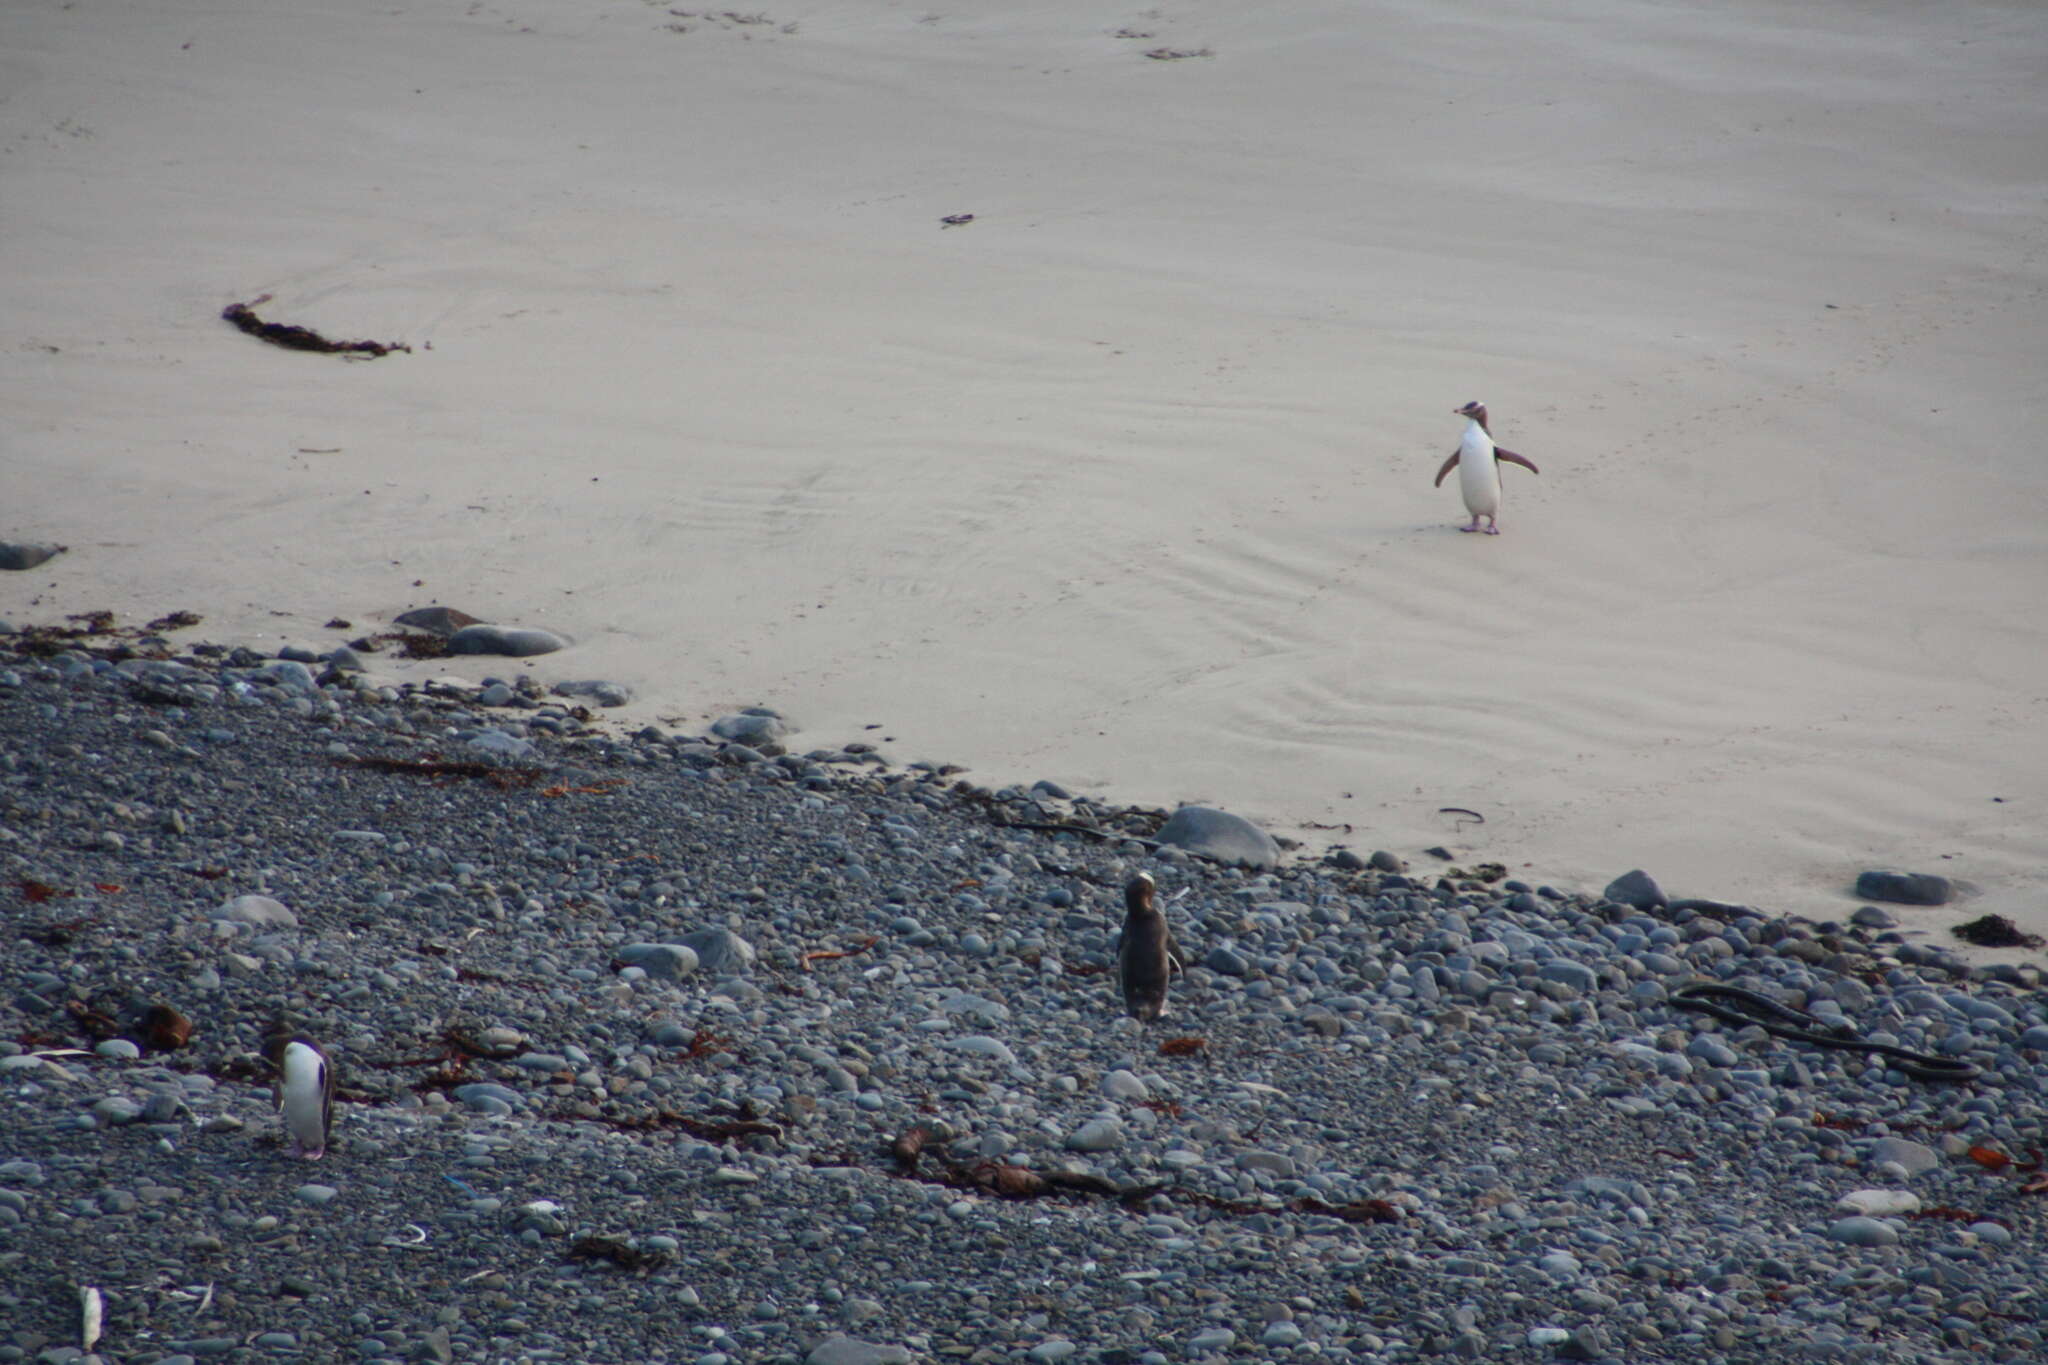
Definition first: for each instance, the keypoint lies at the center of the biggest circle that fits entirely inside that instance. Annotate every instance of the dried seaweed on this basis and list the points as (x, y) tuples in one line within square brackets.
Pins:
[(243, 315), (177, 620), (1996, 931)]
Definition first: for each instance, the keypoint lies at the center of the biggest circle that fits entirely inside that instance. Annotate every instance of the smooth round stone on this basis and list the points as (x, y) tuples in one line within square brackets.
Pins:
[(1561, 1264), (1712, 1051), (499, 744), (113, 1111), (1096, 1135), (1636, 890), (1281, 1334), (1879, 1203), (1577, 975), (1277, 1164), (1226, 961), (1210, 1342), (497, 694), (316, 1195), (120, 1049), (1995, 1233), (1054, 1349), (1220, 835), (838, 1350), (487, 1097), (516, 642), (751, 727), (1864, 1232), (664, 960), (1124, 1085), (1548, 1336), (261, 911), (289, 674), (978, 1007)]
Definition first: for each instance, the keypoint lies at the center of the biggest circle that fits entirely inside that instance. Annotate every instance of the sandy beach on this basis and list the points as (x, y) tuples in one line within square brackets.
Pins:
[(1124, 483)]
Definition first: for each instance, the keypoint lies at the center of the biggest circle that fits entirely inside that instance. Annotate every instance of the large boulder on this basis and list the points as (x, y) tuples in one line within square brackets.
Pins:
[(1220, 835), (1636, 890), (1904, 888), (26, 555)]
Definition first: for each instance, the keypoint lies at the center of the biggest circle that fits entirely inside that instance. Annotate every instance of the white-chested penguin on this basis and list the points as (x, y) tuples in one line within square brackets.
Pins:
[(305, 1091), (1477, 460), (1147, 955)]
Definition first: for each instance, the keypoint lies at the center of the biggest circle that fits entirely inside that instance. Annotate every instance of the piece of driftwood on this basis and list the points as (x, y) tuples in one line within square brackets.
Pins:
[(243, 315)]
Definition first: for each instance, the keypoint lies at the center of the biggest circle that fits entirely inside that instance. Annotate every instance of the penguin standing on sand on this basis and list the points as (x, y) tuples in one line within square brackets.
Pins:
[(305, 1091), (1147, 955), (1477, 460)]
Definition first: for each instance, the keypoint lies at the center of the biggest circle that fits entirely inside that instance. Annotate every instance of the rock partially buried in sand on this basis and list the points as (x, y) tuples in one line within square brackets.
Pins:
[(442, 621), (597, 690), (755, 725), (1904, 888), (517, 642), (24, 555), (1220, 835), (1636, 890)]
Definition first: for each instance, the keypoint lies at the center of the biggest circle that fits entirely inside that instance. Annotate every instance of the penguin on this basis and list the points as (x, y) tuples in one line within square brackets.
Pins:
[(304, 1092), (1477, 461), (1147, 954)]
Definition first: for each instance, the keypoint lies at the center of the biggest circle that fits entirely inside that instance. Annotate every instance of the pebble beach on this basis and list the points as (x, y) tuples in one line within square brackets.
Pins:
[(665, 1046), (646, 579)]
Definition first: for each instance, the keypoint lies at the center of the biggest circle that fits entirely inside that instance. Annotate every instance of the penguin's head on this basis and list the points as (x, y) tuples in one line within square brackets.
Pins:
[(1138, 892), (1474, 409)]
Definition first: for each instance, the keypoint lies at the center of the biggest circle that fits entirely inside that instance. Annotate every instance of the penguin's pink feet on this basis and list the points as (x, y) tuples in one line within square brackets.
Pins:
[(1473, 527), (314, 1156), (1493, 530)]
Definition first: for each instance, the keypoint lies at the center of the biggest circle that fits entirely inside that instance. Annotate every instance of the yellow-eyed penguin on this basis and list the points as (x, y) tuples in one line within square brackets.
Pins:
[(305, 1091), (1477, 461), (1147, 955)]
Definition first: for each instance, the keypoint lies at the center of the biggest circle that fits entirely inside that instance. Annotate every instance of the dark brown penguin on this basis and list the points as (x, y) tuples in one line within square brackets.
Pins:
[(1147, 955)]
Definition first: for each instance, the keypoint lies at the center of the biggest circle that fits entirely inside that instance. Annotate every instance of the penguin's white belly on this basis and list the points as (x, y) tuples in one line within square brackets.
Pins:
[(1479, 477), (305, 1105)]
